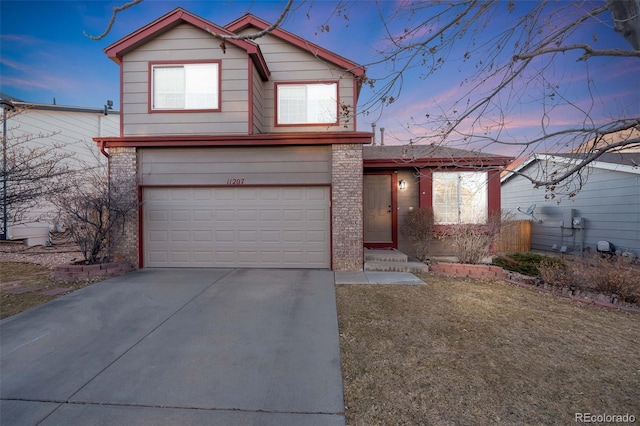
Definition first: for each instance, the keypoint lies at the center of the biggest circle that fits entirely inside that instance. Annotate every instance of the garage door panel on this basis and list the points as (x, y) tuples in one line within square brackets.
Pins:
[(158, 236), (203, 236), (202, 215), (271, 236), (202, 257), (237, 227)]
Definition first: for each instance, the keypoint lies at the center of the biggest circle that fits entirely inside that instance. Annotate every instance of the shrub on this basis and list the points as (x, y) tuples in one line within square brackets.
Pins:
[(90, 211), (595, 273), (472, 243), (418, 229), (524, 263), (608, 275), (554, 271)]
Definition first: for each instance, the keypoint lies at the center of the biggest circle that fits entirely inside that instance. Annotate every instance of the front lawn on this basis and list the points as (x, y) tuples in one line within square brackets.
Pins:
[(459, 351)]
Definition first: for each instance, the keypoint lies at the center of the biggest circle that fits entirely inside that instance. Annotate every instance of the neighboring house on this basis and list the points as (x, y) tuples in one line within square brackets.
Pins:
[(69, 131), (462, 187), (241, 153), (607, 208)]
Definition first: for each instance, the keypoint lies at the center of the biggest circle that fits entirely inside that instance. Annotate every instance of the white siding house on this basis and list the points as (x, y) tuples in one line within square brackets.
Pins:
[(607, 208), (69, 130)]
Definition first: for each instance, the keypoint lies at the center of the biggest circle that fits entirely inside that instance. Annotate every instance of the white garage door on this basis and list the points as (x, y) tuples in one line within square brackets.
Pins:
[(268, 227)]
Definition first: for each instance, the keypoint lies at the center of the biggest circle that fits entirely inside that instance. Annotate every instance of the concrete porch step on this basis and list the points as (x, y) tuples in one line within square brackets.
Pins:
[(389, 255), (391, 266)]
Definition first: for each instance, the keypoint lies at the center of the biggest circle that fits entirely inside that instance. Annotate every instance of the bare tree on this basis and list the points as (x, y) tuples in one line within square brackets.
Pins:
[(90, 211), (504, 50), (34, 172)]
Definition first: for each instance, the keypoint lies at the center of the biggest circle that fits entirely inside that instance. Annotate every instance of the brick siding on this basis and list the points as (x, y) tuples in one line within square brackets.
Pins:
[(123, 177), (346, 202)]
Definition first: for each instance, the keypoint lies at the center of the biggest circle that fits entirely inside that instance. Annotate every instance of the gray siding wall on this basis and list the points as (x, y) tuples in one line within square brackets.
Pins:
[(288, 63), (185, 43), (609, 204), (244, 166)]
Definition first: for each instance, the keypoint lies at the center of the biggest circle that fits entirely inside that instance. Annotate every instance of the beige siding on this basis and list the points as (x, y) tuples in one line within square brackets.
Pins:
[(289, 63), (185, 43), (258, 103), (236, 166)]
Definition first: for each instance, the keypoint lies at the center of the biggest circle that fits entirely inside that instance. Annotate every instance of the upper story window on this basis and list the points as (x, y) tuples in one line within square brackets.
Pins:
[(307, 103), (189, 86), (460, 197)]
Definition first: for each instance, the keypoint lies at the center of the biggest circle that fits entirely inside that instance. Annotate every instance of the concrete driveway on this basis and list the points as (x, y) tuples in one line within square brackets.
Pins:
[(178, 347)]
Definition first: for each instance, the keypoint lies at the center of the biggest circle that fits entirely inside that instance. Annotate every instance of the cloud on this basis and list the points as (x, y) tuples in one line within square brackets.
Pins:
[(39, 82), (24, 83), (14, 65), (18, 39)]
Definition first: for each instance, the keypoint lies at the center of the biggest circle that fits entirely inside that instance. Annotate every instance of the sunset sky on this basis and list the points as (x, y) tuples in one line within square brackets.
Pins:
[(44, 55)]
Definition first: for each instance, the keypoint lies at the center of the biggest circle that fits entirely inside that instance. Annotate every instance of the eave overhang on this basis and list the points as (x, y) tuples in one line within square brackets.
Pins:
[(273, 139), (457, 162)]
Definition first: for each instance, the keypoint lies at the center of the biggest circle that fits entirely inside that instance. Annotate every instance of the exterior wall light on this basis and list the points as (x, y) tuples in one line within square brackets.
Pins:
[(402, 184)]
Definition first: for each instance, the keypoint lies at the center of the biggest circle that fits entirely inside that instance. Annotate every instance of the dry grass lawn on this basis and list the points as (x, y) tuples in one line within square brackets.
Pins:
[(469, 352), (29, 276)]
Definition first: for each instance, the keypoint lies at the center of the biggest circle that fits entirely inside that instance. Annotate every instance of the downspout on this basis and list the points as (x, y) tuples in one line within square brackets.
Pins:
[(102, 149)]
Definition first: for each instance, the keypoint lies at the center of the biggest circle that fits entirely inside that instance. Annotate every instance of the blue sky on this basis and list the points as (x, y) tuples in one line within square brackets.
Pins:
[(44, 55)]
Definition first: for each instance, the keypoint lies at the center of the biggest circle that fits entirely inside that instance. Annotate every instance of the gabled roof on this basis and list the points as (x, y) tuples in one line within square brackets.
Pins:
[(628, 162), (249, 20), (170, 20), (428, 155)]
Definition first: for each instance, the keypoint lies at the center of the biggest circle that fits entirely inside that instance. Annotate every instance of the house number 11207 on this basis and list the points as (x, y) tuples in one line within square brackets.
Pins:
[(235, 181)]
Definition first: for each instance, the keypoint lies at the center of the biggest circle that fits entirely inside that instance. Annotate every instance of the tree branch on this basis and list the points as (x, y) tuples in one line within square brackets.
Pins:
[(588, 52), (257, 35), (112, 21)]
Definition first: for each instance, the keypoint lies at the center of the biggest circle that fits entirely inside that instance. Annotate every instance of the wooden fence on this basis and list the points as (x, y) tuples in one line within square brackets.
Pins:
[(515, 236)]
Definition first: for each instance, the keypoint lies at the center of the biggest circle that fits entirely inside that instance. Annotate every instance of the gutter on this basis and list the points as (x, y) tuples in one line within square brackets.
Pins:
[(102, 148)]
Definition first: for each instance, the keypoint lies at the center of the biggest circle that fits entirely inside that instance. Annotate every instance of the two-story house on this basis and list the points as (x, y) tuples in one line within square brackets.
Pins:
[(241, 153)]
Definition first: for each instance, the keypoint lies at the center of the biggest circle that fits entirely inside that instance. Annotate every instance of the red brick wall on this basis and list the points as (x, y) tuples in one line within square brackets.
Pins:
[(123, 168), (346, 207)]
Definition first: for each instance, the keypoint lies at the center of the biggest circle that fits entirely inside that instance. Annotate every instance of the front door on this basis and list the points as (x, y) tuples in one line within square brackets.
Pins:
[(378, 216)]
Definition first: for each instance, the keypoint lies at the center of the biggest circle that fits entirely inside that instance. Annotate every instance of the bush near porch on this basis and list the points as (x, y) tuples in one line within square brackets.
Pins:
[(616, 277)]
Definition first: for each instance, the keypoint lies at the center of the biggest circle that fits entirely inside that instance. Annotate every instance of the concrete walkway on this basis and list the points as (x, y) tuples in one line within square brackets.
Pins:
[(373, 277), (168, 347)]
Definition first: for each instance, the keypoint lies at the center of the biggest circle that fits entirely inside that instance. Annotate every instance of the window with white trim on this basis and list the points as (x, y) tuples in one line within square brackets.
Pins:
[(314, 103), (460, 197), (185, 86)]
